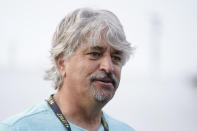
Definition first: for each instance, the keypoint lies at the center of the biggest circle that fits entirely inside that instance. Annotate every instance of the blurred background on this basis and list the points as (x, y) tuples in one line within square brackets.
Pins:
[(158, 90)]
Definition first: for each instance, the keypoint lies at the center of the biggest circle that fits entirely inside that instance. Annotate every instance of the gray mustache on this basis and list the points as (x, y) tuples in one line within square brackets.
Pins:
[(103, 75)]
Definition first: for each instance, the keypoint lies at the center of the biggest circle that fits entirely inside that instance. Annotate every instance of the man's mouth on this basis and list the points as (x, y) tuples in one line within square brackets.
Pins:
[(106, 82)]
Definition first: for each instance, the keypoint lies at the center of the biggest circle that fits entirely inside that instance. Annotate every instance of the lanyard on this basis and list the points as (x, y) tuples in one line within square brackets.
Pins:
[(51, 102)]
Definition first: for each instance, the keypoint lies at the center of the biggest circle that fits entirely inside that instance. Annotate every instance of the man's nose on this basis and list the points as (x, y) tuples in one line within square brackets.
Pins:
[(107, 64)]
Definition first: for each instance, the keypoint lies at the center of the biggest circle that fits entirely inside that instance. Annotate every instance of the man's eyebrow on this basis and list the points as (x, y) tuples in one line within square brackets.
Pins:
[(117, 52), (99, 48)]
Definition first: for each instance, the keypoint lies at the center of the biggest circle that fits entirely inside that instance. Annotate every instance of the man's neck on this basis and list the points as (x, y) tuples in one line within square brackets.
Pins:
[(83, 113)]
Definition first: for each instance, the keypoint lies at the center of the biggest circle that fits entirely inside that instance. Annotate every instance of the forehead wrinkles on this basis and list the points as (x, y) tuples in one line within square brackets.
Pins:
[(99, 43), (88, 41), (103, 37), (101, 48)]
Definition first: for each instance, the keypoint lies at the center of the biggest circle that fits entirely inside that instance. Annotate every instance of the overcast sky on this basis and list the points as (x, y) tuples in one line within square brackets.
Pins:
[(158, 89)]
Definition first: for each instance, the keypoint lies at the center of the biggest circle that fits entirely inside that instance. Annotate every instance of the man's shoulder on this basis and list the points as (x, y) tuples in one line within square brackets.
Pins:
[(115, 124), (36, 112)]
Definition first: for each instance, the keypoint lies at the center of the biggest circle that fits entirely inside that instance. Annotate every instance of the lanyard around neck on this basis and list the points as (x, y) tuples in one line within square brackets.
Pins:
[(51, 102)]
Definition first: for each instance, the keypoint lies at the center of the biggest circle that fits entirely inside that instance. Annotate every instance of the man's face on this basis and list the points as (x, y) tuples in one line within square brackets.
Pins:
[(93, 71)]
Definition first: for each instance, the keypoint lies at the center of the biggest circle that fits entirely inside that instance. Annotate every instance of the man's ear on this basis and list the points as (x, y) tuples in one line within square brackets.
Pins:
[(60, 64)]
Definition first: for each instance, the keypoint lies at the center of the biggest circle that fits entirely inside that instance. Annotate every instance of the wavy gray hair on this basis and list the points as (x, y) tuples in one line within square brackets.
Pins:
[(86, 24)]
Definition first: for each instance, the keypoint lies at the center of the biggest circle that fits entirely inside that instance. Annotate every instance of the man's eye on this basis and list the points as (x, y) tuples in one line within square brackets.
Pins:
[(116, 58), (94, 54)]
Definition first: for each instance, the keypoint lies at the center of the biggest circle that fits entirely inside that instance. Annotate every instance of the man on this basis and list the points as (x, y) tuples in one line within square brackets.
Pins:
[(88, 51)]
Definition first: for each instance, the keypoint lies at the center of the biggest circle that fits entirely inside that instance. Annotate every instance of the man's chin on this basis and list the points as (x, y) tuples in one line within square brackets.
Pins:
[(104, 94)]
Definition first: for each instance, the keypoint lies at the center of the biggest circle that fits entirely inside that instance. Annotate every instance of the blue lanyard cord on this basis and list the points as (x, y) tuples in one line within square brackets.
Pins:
[(51, 102)]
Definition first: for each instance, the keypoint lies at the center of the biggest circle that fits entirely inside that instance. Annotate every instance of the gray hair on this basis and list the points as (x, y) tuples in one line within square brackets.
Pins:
[(86, 24)]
